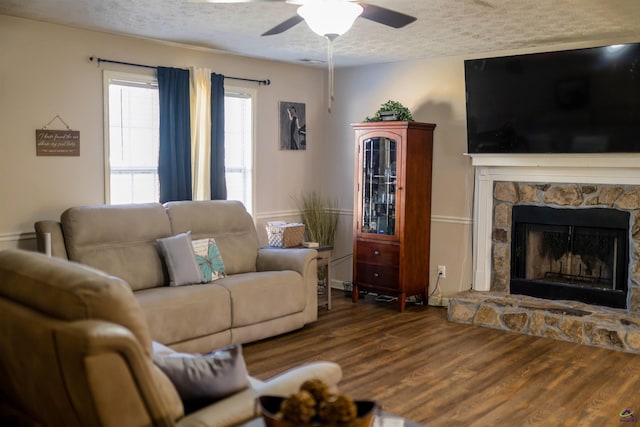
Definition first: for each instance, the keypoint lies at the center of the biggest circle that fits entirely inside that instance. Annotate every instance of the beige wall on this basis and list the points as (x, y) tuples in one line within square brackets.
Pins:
[(45, 71), (434, 92)]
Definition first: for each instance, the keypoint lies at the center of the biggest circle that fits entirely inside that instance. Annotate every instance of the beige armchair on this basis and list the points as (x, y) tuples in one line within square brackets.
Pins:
[(75, 351)]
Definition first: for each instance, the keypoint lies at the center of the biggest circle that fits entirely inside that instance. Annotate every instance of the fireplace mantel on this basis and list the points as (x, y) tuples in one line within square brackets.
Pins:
[(606, 168), (600, 160)]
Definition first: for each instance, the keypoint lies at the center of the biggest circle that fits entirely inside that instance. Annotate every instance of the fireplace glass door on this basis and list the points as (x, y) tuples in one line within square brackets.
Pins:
[(571, 254)]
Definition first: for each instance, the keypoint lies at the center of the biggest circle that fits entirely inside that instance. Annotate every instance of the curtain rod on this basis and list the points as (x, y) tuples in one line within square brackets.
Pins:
[(266, 82)]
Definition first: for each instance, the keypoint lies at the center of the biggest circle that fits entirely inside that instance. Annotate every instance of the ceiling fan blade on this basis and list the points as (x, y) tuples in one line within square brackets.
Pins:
[(386, 16), (284, 26)]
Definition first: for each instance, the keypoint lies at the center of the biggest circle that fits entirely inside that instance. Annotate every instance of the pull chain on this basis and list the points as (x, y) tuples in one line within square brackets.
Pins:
[(330, 63)]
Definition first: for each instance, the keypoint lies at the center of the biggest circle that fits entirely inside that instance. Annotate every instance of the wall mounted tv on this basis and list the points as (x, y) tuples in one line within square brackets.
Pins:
[(574, 101)]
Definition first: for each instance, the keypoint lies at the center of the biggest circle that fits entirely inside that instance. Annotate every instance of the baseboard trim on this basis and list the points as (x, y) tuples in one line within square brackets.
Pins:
[(436, 301)]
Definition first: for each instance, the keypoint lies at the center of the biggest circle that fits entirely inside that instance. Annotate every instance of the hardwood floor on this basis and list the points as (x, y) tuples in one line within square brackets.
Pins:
[(419, 365)]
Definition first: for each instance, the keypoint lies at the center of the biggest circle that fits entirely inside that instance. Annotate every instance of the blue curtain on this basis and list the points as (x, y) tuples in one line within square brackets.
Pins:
[(218, 181), (174, 162)]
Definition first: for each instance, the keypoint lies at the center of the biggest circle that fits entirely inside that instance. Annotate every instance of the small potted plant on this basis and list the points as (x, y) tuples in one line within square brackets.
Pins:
[(320, 218), (390, 111)]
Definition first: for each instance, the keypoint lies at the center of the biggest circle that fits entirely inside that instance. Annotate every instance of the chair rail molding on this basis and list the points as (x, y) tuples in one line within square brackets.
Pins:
[(17, 236)]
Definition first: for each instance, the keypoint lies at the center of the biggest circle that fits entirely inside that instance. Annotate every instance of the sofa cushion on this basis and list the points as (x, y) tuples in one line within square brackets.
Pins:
[(257, 297), (209, 259), (226, 221), (120, 240), (180, 260), (202, 379), (181, 313)]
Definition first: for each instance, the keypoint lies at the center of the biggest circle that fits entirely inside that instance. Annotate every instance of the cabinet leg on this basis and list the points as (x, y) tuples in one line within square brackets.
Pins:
[(425, 297), (354, 293), (402, 300)]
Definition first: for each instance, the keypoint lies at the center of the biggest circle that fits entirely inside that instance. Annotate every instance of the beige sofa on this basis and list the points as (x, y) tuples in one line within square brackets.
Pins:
[(75, 351), (267, 291)]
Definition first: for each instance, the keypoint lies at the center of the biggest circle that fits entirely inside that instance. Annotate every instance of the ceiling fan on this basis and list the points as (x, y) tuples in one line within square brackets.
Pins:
[(331, 18)]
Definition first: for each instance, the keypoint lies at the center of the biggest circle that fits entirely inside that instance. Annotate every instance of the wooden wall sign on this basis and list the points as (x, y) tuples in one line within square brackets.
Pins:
[(57, 142)]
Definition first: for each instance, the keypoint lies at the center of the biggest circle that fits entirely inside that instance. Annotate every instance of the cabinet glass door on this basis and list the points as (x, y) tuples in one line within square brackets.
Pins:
[(379, 186)]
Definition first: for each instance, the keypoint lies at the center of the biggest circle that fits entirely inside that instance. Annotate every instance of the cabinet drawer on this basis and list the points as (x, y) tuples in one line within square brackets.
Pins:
[(375, 253), (377, 275)]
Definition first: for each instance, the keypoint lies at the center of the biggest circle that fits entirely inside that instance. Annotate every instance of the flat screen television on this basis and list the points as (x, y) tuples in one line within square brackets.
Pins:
[(573, 101)]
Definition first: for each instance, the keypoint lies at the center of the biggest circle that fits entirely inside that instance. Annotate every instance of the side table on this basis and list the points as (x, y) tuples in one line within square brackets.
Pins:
[(324, 258)]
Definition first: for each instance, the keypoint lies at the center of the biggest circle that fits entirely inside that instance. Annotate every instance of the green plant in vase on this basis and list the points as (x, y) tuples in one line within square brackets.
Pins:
[(320, 218), (391, 110)]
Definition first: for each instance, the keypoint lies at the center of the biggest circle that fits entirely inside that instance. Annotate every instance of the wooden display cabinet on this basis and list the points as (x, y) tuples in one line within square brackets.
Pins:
[(392, 209)]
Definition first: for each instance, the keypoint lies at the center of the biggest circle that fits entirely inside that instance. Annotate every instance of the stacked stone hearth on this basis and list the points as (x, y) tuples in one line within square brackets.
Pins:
[(563, 320), (566, 320)]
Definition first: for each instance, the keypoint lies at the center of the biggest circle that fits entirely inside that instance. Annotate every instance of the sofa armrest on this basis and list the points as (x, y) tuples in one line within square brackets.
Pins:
[(274, 259), (302, 260), (291, 380), (105, 368), (54, 228)]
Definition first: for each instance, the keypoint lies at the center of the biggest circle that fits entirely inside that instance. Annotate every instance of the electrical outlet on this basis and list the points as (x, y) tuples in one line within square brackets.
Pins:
[(442, 271)]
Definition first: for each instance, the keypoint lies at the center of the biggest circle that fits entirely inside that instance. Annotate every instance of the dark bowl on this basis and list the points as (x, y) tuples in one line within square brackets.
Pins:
[(270, 405)]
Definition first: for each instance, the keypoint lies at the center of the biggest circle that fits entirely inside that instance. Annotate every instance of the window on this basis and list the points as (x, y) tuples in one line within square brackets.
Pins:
[(133, 134), (131, 153), (238, 147)]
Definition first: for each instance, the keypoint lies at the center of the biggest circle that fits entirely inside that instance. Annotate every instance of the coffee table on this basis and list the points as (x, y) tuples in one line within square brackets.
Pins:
[(381, 420)]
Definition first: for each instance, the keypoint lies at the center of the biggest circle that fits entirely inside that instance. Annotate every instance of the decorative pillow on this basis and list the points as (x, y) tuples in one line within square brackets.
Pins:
[(180, 259), (209, 259), (202, 379)]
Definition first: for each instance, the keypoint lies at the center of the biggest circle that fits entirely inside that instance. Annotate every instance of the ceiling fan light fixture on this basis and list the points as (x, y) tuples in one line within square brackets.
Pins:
[(330, 18)]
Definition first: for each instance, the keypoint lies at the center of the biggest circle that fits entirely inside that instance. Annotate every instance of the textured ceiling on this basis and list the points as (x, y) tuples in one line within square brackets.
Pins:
[(443, 28)]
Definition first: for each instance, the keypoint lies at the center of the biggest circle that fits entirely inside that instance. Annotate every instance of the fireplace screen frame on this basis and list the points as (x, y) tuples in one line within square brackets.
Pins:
[(610, 220)]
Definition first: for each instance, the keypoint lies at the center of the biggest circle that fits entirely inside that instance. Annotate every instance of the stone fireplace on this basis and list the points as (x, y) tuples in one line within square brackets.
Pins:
[(604, 209), (576, 182)]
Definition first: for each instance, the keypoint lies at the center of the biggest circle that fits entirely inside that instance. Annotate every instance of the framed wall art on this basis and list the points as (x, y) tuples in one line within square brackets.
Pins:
[(293, 126)]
